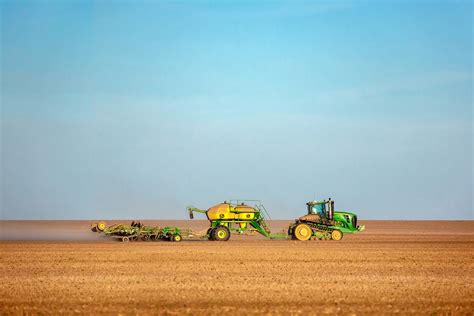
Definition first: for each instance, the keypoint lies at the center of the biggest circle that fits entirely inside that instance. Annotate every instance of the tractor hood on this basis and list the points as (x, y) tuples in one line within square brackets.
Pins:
[(359, 228), (351, 220), (345, 213)]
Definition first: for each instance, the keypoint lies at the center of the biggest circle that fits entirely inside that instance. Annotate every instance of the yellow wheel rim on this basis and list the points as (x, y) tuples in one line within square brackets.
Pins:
[(336, 235), (101, 226), (177, 238), (221, 234), (303, 232)]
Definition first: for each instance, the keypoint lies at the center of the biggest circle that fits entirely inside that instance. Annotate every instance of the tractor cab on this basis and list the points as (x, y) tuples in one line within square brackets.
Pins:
[(324, 209)]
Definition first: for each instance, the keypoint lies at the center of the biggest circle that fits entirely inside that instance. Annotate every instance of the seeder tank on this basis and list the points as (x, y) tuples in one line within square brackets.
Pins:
[(229, 212), (233, 216)]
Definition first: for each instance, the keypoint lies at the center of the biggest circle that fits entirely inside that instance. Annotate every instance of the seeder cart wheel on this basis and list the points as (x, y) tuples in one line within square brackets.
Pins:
[(221, 233), (125, 239), (210, 233), (177, 238), (336, 235)]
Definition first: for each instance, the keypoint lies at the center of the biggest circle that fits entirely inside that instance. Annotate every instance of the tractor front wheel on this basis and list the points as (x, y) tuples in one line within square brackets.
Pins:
[(302, 232), (221, 233), (177, 238), (336, 235)]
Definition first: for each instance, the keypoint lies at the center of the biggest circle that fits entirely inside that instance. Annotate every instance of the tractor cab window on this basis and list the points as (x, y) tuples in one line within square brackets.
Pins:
[(317, 209)]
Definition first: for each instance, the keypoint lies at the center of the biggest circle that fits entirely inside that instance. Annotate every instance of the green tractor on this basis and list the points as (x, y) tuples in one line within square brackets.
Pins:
[(322, 222)]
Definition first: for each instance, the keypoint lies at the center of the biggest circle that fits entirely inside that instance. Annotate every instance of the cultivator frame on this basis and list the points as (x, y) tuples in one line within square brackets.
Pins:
[(137, 231)]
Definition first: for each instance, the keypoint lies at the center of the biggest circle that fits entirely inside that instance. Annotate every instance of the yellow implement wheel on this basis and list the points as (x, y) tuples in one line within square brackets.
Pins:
[(101, 226), (303, 232), (177, 238), (221, 233), (336, 235)]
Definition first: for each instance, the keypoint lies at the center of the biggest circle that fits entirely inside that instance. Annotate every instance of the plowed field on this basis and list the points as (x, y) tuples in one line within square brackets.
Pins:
[(393, 267)]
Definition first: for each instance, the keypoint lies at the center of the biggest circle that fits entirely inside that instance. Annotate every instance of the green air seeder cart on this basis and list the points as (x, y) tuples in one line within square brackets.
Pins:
[(236, 215)]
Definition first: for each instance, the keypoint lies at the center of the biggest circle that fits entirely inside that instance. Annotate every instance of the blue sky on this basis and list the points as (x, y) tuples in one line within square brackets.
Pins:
[(137, 109)]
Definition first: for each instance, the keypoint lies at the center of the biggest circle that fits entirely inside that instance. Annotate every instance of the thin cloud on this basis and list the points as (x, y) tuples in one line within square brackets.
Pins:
[(285, 9), (400, 84)]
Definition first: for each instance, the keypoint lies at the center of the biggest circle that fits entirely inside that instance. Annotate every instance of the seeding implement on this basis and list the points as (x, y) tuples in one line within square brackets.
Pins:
[(322, 222), (138, 231), (235, 215), (244, 217)]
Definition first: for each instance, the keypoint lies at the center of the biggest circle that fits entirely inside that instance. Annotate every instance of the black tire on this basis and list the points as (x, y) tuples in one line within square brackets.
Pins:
[(221, 233), (210, 233), (290, 233)]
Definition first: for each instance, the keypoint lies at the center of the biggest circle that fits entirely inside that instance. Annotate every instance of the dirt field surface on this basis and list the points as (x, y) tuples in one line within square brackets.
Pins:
[(415, 267)]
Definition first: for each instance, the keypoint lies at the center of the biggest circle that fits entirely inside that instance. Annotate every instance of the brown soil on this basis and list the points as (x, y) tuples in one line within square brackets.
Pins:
[(393, 267)]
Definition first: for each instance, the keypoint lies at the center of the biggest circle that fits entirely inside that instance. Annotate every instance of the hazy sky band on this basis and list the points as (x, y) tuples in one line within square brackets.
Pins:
[(137, 109)]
